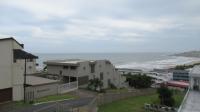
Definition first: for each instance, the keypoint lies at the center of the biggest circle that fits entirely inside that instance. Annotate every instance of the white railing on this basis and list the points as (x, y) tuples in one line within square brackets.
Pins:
[(184, 100), (63, 88)]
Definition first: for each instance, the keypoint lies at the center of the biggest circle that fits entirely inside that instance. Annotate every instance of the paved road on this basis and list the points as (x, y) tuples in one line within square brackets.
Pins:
[(192, 103), (52, 106)]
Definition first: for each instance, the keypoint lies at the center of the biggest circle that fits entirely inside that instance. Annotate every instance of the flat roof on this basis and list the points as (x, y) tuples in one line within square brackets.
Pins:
[(66, 61), (34, 80), (74, 62)]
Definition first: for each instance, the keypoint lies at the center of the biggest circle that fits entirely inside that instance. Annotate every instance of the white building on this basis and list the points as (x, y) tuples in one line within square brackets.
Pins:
[(12, 69), (84, 70), (195, 78)]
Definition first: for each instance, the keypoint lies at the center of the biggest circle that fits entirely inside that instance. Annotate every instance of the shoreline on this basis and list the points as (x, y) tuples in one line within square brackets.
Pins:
[(161, 64)]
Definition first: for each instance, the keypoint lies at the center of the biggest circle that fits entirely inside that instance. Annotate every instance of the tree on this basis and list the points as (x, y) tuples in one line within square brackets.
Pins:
[(139, 81), (165, 96)]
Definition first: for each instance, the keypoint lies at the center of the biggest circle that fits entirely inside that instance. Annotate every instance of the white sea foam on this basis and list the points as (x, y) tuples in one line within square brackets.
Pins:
[(161, 64)]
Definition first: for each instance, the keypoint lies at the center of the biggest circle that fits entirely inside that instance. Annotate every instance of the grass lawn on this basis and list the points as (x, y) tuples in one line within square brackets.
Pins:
[(136, 104), (19, 104), (54, 98), (117, 90), (45, 99)]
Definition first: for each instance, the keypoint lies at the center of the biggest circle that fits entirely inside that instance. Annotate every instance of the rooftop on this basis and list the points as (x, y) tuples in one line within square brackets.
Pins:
[(20, 54), (196, 70), (181, 84), (180, 71), (11, 38), (74, 62), (34, 80), (64, 62)]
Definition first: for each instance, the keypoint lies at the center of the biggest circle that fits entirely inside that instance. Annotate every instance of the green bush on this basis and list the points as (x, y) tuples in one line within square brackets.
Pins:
[(95, 85), (139, 81)]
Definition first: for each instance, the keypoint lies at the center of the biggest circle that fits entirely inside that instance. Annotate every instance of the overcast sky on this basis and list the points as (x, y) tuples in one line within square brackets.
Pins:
[(65, 26)]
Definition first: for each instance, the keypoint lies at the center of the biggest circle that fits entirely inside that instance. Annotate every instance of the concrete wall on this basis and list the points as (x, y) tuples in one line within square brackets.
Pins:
[(18, 92), (17, 75), (31, 67), (5, 64), (43, 90)]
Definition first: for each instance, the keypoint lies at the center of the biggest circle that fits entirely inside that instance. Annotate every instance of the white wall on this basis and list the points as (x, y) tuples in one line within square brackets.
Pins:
[(18, 92), (17, 75), (108, 71), (43, 90), (5, 64), (31, 67)]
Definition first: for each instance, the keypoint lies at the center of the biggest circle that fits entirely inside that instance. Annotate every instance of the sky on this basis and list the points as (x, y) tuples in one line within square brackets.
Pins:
[(79, 26)]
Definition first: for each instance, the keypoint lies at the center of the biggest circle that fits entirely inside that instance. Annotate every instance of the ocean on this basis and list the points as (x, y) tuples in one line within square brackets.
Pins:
[(145, 61)]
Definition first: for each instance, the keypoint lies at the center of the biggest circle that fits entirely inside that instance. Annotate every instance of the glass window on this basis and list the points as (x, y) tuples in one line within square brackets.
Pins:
[(92, 68)]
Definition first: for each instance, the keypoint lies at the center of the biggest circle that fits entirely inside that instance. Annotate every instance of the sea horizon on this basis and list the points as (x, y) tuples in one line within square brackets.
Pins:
[(135, 60)]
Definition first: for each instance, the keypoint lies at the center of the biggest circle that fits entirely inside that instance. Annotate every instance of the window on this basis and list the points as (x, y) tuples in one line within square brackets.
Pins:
[(65, 67), (73, 67), (101, 76), (84, 68), (60, 72), (92, 68)]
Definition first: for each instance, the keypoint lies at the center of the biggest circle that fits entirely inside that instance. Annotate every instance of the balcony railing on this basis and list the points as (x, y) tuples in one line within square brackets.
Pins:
[(63, 88)]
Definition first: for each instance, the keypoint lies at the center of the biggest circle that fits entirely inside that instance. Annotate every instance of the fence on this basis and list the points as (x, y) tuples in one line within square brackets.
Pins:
[(62, 107), (91, 107), (63, 88), (110, 97), (34, 92)]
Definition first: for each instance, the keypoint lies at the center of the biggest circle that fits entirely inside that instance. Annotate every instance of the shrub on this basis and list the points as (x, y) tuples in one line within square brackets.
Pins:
[(95, 84), (139, 81)]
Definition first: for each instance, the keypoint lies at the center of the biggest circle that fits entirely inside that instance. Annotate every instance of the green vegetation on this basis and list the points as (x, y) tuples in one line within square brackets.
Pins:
[(95, 85), (183, 67), (166, 96), (139, 81), (136, 104), (19, 104), (54, 98), (178, 97)]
